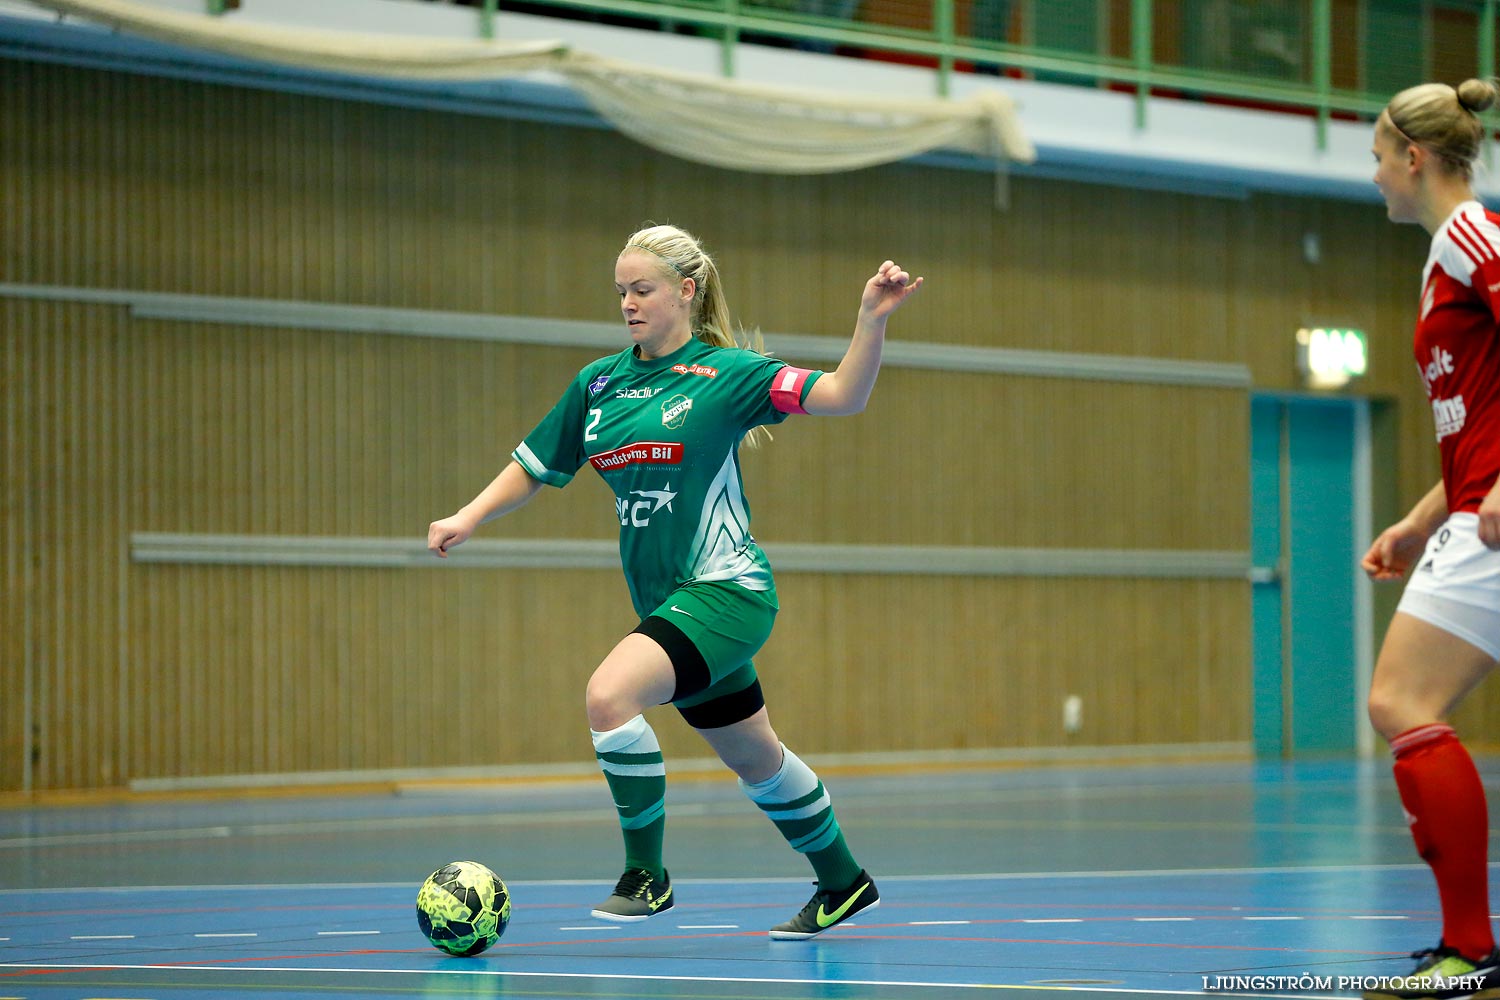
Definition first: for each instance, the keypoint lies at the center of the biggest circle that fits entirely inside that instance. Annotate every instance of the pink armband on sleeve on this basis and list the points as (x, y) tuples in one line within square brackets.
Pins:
[(786, 390)]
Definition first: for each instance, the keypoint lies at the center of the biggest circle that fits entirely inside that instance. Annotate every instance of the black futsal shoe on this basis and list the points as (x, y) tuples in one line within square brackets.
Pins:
[(637, 896), (1443, 974), (829, 909)]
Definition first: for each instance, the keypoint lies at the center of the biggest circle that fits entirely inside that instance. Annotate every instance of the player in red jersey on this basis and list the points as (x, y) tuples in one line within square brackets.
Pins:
[(1445, 636)]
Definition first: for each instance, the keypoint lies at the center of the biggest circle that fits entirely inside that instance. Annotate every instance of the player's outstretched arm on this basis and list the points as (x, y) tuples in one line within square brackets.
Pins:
[(507, 491), (846, 389)]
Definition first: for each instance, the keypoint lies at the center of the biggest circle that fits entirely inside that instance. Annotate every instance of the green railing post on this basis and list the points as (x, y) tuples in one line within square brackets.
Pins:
[(731, 37), (943, 23), (215, 7), (941, 44), (1322, 64), (1487, 65), (1141, 54), (487, 12)]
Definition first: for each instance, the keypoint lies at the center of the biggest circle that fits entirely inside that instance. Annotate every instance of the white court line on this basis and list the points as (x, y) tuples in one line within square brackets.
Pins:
[(120, 837), (786, 880), (638, 977), (1145, 873), (305, 827), (344, 933), (695, 927)]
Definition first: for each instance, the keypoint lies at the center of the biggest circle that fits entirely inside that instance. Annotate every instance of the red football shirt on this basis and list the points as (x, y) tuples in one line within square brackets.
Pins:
[(1458, 350)]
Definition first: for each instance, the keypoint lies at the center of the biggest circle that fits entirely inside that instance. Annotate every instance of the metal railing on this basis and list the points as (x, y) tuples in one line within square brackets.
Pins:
[(1301, 56)]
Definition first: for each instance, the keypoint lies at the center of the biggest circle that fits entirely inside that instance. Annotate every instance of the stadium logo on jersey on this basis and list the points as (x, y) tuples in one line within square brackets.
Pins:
[(703, 370), (635, 393), (637, 513), (675, 410), (639, 453), (1440, 365), (597, 386), (1448, 415)]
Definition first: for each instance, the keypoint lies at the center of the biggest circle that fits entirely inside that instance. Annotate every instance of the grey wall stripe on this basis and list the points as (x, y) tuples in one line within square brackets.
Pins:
[(606, 337), (560, 553)]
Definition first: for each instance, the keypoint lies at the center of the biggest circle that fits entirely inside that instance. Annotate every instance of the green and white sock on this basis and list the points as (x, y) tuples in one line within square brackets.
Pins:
[(632, 763), (802, 810)]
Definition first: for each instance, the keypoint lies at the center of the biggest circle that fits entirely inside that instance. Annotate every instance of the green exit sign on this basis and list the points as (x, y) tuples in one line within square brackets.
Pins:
[(1329, 356)]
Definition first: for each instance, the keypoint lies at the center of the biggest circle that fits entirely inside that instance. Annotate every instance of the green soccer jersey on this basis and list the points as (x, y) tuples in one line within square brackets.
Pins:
[(664, 434)]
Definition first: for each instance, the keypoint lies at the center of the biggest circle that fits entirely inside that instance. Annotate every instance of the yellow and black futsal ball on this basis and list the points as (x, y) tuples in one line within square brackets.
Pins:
[(463, 908)]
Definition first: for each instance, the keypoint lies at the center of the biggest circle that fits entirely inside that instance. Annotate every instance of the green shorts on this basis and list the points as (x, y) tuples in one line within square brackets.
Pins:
[(711, 630)]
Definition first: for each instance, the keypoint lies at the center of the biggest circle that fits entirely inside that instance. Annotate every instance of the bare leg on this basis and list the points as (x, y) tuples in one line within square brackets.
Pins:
[(749, 748), (1422, 675), (636, 675)]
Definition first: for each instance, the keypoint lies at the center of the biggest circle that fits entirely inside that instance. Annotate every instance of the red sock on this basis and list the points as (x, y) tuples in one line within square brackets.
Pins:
[(1444, 802)]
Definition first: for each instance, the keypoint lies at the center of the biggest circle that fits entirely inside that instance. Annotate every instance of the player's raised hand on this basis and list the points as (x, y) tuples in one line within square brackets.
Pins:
[(1393, 552), (885, 292), (444, 534)]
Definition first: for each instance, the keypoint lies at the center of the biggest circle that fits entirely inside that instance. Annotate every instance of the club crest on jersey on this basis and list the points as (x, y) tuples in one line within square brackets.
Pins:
[(674, 411), (703, 370), (597, 386)]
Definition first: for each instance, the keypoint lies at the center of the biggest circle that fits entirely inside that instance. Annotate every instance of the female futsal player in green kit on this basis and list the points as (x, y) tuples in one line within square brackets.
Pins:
[(661, 422)]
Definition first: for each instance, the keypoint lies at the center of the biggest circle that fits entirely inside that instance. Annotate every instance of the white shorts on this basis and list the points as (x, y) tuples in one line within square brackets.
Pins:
[(1456, 585)]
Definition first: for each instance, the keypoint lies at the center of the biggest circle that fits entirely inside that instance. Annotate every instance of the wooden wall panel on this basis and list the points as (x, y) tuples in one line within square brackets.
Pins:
[(266, 669), (275, 670), (69, 532), (966, 459), (235, 192), (1153, 661), (118, 424), (17, 492), (210, 670)]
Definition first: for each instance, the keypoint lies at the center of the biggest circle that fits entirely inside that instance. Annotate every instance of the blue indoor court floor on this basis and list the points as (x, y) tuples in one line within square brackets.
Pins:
[(1144, 880)]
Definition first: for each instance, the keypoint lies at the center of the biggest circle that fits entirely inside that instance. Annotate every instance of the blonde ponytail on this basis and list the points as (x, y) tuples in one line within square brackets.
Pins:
[(712, 323)]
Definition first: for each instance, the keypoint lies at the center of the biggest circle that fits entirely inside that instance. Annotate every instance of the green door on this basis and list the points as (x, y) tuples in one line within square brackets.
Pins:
[(1309, 526)]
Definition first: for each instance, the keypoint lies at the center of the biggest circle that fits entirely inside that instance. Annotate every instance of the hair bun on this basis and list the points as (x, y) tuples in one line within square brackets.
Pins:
[(1476, 95)]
